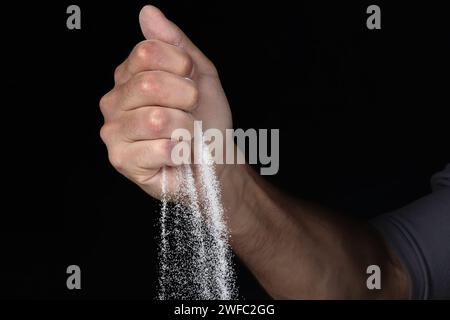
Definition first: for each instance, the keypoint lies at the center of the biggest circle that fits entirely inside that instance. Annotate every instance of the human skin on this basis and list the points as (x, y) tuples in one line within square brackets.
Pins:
[(295, 249)]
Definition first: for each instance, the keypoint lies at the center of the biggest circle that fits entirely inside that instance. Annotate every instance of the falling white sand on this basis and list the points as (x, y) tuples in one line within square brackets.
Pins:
[(164, 241), (195, 259)]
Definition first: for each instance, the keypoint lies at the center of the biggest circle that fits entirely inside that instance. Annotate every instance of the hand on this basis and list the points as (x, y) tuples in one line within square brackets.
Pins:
[(166, 83), (293, 248)]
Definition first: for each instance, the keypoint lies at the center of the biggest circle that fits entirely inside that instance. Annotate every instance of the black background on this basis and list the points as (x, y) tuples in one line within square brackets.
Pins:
[(362, 116)]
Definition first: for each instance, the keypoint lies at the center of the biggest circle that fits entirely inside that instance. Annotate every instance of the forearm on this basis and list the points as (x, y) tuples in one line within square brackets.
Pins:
[(297, 250)]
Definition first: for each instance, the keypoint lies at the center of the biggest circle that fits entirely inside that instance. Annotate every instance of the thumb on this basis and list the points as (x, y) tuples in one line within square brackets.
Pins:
[(155, 25)]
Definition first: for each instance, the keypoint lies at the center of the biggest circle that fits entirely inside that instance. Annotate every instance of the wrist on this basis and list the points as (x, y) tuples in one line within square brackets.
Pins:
[(233, 179), (244, 200)]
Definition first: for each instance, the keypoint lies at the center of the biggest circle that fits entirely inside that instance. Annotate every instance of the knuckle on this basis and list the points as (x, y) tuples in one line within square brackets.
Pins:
[(117, 73), (158, 120), (193, 97), (105, 132), (116, 158), (104, 103), (186, 65), (146, 50), (148, 82)]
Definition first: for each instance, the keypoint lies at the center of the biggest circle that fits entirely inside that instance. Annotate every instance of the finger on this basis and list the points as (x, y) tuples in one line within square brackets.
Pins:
[(140, 161), (147, 123), (155, 25), (150, 88), (151, 55), (146, 155)]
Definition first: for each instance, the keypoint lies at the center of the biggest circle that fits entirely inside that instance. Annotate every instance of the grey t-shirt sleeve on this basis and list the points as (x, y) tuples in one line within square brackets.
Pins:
[(419, 234)]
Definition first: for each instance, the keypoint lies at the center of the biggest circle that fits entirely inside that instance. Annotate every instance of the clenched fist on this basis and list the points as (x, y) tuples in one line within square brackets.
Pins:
[(165, 84)]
